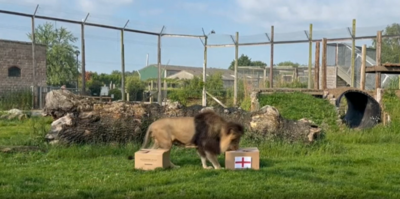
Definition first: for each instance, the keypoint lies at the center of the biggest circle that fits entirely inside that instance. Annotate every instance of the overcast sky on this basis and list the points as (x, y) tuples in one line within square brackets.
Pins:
[(251, 18)]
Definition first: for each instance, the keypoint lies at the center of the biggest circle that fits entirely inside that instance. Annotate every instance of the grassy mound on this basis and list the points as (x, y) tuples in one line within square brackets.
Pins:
[(347, 164)]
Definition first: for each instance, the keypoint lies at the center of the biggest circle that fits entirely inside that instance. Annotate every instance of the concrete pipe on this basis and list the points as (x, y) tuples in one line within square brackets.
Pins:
[(363, 111)]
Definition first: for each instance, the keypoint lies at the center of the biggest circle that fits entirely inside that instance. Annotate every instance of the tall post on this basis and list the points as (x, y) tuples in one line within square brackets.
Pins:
[(33, 48), (123, 63), (83, 55), (378, 59), (353, 54), (236, 67), (204, 96), (362, 71), (159, 67), (33, 57), (310, 57), (323, 69), (316, 67), (271, 65)]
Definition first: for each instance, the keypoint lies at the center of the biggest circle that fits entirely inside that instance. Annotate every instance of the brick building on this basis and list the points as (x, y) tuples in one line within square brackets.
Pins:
[(16, 71)]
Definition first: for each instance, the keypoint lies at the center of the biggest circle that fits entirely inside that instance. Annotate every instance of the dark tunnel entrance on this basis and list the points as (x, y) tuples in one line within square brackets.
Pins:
[(363, 111)]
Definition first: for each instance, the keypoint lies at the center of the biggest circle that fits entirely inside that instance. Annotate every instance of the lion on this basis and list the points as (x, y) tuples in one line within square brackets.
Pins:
[(214, 135), (195, 132), (166, 132)]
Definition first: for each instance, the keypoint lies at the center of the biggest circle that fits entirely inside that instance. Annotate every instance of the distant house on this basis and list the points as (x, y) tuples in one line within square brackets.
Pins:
[(184, 72)]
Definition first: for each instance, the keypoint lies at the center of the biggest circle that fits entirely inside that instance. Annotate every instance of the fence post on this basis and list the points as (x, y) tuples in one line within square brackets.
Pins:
[(378, 59), (123, 62), (353, 54), (83, 55), (310, 57), (271, 66), (236, 67), (362, 71), (316, 67), (159, 66), (324, 50), (204, 95)]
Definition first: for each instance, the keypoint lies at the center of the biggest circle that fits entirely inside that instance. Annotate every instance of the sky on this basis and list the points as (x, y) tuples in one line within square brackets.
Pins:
[(251, 18)]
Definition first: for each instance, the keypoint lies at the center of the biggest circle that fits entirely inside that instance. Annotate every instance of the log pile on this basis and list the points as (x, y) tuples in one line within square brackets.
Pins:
[(80, 120)]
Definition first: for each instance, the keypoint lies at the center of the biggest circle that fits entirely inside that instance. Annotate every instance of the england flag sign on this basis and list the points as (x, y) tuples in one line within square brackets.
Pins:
[(242, 162)]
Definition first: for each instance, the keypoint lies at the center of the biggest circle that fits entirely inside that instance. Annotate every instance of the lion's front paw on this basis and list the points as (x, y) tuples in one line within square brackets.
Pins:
[(208, 167)]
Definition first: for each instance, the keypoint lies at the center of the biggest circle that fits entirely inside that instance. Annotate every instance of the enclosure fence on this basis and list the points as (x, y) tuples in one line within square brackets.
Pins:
[(338, 54)]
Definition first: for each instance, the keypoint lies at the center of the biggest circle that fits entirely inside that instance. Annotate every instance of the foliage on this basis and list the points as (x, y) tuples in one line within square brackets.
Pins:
[(134, 87), (117, 94), (347, 164), (244, 60), (390, 46), (299, 105), (20, 99), (61, 58)]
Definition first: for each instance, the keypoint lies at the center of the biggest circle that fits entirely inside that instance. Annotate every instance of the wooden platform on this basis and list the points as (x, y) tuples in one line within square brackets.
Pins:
[(315, 92), (393, 68)]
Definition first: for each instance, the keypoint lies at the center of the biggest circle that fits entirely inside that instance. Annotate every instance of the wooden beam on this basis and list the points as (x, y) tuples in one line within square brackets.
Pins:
[(363, 62), (382, 69), (316, 66), (323, 69)]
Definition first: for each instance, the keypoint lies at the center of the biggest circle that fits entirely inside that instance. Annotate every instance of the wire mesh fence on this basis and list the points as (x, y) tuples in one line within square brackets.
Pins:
[(105, 44)]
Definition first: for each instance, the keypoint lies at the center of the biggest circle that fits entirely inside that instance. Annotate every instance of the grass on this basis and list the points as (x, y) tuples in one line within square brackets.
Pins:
[(346, 164)]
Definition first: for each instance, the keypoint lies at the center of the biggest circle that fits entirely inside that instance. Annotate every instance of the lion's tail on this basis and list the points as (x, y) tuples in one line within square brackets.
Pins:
[(146, 138)]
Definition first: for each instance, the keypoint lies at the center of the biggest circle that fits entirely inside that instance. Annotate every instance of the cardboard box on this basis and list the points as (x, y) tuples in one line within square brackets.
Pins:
[(150, 159), (243, 158)]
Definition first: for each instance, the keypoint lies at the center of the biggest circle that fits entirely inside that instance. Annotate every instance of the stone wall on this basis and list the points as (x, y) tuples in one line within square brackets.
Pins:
[(19, 54)]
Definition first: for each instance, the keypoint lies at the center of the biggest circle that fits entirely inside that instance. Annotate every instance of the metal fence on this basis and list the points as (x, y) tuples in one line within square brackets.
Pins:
[(339, 54)]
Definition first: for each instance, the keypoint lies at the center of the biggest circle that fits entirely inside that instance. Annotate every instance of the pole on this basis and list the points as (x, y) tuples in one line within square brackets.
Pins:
[(378, 59), (204, 94), (236, 67), (271, 67), (324, 51), (122, 67), (316, 67), (353, 54), (83, 55), (159, 67), (310, 57), (123, 63), (363, 61), (33, 57)]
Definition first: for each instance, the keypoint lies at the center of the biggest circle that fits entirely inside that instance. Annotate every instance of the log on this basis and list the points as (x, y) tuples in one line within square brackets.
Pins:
[(81, 120)]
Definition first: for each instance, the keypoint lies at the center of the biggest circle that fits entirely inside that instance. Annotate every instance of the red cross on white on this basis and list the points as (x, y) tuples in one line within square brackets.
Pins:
[(242, 162)]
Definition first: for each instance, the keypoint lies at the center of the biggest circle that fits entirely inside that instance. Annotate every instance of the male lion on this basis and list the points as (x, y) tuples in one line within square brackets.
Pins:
[(167, 131), (214, 135)]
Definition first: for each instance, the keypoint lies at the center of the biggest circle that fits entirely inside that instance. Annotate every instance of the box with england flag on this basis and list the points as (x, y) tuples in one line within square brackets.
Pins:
[(243, 158)]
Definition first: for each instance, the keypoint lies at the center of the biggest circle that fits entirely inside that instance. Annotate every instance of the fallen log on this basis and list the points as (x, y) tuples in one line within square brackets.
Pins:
[(81, 120)]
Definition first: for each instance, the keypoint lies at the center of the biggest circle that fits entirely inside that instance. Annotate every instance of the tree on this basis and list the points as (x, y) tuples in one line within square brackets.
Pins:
[(289, 63), (61, 58), (390, 46), (244, 60)]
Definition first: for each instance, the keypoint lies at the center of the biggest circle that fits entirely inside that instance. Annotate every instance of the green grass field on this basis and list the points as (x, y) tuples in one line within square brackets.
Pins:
[(345, 164)]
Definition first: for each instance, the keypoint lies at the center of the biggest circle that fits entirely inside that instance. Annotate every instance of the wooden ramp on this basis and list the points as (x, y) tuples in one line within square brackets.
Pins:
[(314, 92)]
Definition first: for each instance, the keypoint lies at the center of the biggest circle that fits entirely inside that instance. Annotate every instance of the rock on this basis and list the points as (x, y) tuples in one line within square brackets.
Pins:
[(80, 120)]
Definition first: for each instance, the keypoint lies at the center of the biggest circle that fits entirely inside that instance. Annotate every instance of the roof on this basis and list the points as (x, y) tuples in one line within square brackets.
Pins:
[(198, 71), (20, 42)]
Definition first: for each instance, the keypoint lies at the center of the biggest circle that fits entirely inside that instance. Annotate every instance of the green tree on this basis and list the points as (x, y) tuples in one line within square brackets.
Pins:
[(390, 46), (61, 59), (244, 60)]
